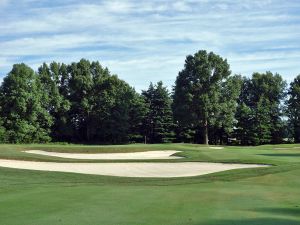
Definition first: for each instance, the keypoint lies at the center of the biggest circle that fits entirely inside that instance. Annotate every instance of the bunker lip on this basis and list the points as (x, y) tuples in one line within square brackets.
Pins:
[(154, 170), (164, 154)]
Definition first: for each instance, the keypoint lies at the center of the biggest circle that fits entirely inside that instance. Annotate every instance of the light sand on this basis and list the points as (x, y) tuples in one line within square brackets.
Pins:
[(216, 147), (109, 156), (183, 169)]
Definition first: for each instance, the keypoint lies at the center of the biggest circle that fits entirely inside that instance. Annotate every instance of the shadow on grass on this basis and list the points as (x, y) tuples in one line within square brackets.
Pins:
[(256, 221), (282, 155), (292, 214), (282, 211)]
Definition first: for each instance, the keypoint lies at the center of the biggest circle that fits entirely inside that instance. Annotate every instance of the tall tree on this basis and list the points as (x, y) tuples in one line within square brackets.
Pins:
[(262, 122), (3, 133), (24, 117), (225, 116), (159, 126), (245, 127), (80, 86), (120, 99), (102, 105), (259, 113), (270, 87), (52, 81), (197, 91), (139, 109), (245, 115), (293, 109)]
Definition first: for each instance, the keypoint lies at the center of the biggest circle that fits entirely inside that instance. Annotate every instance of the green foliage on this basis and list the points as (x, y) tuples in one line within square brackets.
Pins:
[(84, 103), (102, 105), (24, 117), (117, 108), (225, 115), (293, 108), (158, 123), (244, 129), (81, 102), (81, 98), (3, 133), (197, 91), (51, 80), (260, 111), (137, 115)]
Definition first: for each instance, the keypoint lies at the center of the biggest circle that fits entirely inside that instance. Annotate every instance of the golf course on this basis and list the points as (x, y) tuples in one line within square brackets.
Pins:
[(136, 112), (267, 195)]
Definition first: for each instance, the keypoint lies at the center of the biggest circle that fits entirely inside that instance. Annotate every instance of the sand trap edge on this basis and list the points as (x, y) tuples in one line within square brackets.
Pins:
[(146, 170), (164, 154)]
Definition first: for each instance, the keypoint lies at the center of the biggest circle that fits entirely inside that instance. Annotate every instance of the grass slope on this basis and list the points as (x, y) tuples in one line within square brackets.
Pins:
[(261, 196)]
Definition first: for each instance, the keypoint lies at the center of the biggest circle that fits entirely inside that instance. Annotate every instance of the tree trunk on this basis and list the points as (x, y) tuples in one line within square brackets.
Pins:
[(221, 135), (88, 129), (205, 133), (88, 133)]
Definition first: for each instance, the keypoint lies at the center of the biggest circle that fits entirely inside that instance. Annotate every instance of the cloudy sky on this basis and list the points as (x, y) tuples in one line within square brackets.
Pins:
[(145, 41)]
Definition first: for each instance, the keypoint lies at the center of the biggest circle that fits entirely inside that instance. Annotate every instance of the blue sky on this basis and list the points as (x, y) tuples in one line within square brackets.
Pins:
[(145, 41)]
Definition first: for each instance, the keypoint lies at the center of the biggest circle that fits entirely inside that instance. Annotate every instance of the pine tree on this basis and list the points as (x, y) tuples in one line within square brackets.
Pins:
[(158, 125), (137, 114)]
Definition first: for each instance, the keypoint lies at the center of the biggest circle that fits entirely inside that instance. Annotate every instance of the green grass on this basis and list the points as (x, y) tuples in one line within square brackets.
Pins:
[(260, 196)]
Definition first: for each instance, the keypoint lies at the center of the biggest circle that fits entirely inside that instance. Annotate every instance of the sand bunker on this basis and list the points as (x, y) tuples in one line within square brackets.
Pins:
[(183, 169), (216, 147), (110, 156)]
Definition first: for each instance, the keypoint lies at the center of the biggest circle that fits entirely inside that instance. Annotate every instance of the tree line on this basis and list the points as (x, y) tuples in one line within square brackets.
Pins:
[(84, 103)]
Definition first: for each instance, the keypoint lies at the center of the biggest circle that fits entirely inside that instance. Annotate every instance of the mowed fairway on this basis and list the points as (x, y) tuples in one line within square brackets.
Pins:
[(264, 196)]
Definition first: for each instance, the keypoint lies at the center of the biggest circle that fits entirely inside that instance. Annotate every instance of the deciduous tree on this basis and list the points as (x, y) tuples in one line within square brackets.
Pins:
[(293, 109), (24, 117), (197, 91)]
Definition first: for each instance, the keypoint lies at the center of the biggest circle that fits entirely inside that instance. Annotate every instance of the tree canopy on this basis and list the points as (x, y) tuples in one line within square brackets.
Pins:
[(293, 108), (260, 111), (24, 117), (83, 102), (197, 92), (158, 123)]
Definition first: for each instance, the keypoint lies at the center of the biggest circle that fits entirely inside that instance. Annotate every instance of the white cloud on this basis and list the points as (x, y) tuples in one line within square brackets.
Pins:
[(181, 6), (117, 6), (44, 45), (145, 40)]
